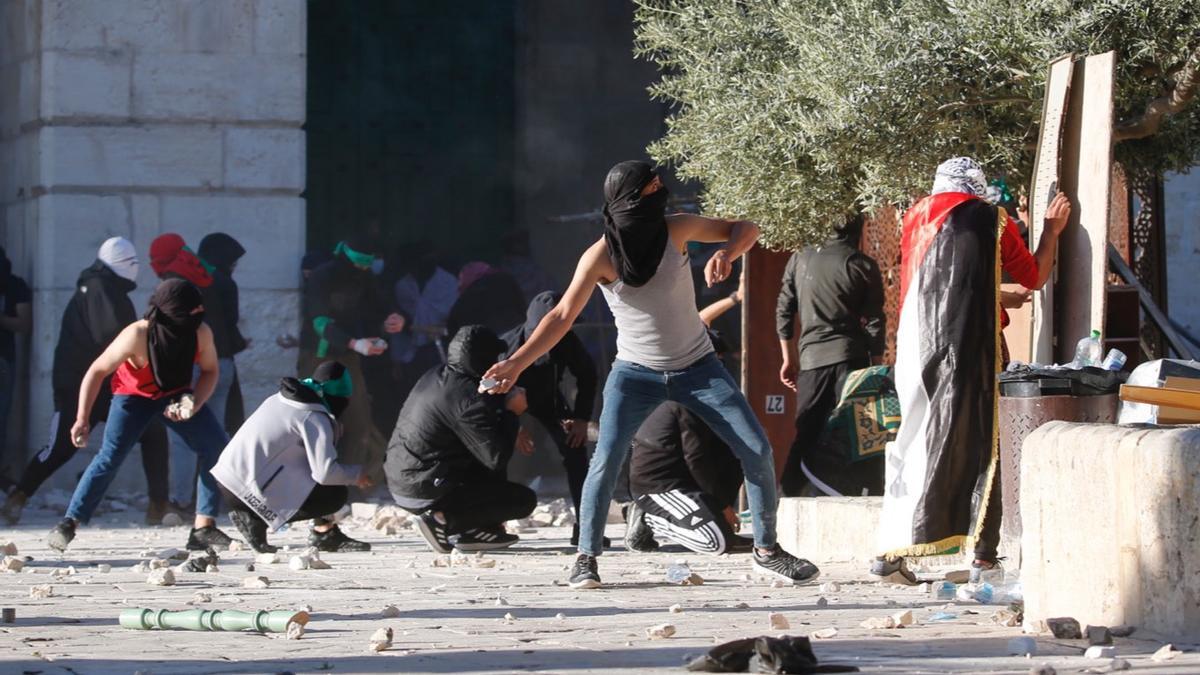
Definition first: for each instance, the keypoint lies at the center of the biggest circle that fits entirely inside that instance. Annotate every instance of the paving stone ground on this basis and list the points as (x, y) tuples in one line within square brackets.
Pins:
[(452, 619)]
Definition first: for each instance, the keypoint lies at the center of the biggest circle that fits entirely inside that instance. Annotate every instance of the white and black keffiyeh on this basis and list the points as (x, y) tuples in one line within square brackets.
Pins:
[(961, 174)]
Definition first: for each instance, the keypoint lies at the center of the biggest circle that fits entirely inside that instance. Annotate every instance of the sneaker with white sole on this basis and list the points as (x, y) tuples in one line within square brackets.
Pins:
[(780, 564), (434, 533), (481, 539), (893, 572), (584, 573)]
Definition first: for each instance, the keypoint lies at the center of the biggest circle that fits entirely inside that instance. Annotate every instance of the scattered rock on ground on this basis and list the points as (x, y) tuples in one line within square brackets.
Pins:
[(295, 630), (675, 609), (40, 592), (256, 582), (1118, 665), (381, 639), (904, 618), (824, 633), (1100, 652), (1005, 617), (172, 519), (201, 598), (822, 602), (298, 563), (1064, 628), (879, 623), (162, 576), (830, 587), (9, 548), (267, 558), (104, 567), (1122, 631), (1098, 635), (660, 632), (778, 621), (1021, 646), (1165, 653), (11, 563), (1044, 669), (389, 612)]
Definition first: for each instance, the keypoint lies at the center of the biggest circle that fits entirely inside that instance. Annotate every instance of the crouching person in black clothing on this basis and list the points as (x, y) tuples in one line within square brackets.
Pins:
[(281, 466), (684, 481), (448, 457)]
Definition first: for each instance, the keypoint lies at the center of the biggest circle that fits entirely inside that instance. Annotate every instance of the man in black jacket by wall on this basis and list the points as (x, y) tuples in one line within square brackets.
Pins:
[(542, 382), (449, 453), (95, 314), (837, 292)]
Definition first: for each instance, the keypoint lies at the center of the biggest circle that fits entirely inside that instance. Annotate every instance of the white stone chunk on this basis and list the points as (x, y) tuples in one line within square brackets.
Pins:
[(660, 632), (778, 621), (162, 576)]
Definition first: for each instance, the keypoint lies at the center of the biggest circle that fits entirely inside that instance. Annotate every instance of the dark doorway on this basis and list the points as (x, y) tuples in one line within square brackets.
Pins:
[(410, 122)]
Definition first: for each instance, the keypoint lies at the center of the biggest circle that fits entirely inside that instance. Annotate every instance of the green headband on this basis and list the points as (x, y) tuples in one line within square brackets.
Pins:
[(203, 263), (342, 387), (359, 259)]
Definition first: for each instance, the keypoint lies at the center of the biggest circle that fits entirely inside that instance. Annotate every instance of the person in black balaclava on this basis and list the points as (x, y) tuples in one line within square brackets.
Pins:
[(97, 312), (150, 362), (566, 425), (16, 318), (663, 354), (222, 312), (837, 293), (448, 458), (344, 317), (282, 466)]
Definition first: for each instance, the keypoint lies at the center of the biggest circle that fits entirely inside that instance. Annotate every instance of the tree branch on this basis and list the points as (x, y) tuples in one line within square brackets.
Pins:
[(984, 101), (1187, 81)]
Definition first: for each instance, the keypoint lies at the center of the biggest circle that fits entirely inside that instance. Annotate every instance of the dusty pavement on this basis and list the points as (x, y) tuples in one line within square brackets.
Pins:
[(452, 619)]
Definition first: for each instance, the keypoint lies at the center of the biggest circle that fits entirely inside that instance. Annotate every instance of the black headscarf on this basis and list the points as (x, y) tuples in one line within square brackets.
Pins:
[(634, 226), (304, 392), (539, 307), (171, 333), (221, 251)]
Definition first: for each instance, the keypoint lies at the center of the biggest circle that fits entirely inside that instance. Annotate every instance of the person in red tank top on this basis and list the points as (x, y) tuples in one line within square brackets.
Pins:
[(151, 362)]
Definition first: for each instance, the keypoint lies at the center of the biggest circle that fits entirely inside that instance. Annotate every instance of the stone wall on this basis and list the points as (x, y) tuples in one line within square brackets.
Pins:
[(139, 117)]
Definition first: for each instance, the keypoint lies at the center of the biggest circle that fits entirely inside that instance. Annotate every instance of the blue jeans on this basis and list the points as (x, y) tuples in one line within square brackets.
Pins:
[(632, 392), (183, 464), (128, 417)]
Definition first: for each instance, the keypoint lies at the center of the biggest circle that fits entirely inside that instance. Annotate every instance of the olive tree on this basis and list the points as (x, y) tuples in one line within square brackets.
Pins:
[(791, 112)]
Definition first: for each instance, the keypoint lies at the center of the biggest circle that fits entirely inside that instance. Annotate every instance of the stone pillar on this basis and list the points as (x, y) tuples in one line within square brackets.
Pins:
[(139, 117)]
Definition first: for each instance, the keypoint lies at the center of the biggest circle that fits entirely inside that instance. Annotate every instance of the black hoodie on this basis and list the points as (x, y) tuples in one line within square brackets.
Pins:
[(542, 380), (448, 433), (221, 311), (95, 314)]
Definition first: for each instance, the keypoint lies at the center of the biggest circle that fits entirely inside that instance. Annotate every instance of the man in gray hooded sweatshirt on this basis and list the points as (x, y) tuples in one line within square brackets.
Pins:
[(281, 466)]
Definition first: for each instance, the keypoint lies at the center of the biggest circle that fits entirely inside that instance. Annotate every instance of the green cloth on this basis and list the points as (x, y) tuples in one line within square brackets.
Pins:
[(342, 387), (357, 258), (867, 415), (319, 324), (203, 263)]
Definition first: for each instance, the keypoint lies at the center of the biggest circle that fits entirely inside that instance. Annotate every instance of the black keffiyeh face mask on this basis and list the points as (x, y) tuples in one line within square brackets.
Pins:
[(175, 314), (635, 227)]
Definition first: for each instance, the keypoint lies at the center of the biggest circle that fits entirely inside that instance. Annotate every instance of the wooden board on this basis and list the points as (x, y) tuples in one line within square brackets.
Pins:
[(1086, 177), (773, 403), (1047, 167), (1161, 396), (1174, 415)]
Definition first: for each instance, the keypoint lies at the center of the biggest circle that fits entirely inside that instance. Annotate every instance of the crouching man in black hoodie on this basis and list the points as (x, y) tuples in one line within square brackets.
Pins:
[(281, 466), (448, 457)]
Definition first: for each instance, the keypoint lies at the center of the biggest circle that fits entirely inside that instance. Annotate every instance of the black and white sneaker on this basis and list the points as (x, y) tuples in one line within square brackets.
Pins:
[(584, 573), (983, 571), (434, 533), (253, 529), (334, 540), (783, 565), (893, 572), (61, 535), (480, 539), (209, 536), (638, 535)]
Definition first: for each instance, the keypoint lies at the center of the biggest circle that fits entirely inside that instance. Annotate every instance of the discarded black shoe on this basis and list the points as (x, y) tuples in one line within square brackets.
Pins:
[(765, 654), (334, 540), (253, 529)]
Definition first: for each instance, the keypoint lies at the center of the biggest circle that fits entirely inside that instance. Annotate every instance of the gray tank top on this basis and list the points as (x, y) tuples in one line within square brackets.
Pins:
[(658, 325)]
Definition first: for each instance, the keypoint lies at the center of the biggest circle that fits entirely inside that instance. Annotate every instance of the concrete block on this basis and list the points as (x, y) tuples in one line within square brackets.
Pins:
[(217, 26), (146, 157), (266, 314), (264, 158), (271, 229), (830, 528), (220, 87), (85, 84), (280, 27), (18, 30), (1112, 524)]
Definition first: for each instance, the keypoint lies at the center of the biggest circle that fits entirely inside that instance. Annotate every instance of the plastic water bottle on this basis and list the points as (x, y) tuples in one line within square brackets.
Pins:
[(1114, 361), (1088, 351), (679, 572), (943, 590)]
